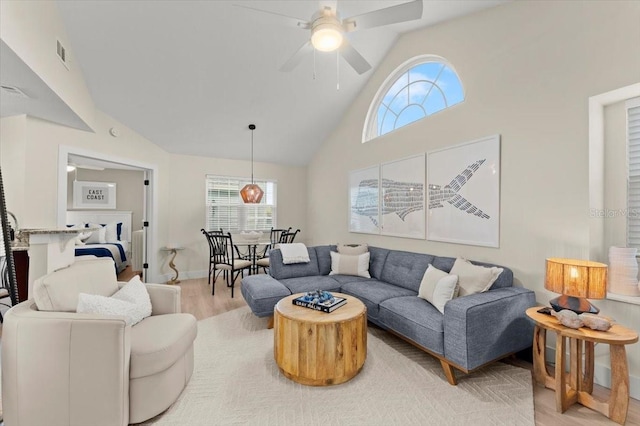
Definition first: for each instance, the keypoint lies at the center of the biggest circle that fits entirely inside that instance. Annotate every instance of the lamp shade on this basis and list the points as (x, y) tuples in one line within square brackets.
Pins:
[(251, 193), (577, 278)]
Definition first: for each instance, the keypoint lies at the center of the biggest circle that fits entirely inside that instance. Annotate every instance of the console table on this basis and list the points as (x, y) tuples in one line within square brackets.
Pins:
[(576, 385)]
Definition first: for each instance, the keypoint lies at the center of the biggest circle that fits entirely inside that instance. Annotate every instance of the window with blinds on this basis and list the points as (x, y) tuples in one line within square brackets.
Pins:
[(633, 182), (226, 210)]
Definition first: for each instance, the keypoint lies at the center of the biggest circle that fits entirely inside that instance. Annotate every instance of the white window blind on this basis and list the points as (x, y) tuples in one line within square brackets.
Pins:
[(633, 185), (226, 210)]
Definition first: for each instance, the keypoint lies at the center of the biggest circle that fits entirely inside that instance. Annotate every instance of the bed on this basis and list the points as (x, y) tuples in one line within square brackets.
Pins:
[(110, 238)]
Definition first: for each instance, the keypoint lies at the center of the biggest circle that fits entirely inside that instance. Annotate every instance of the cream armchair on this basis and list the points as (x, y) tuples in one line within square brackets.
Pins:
[(64, 368)]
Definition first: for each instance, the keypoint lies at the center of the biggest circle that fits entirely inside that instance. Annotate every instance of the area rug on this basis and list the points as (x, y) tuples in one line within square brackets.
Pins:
[(237, 382)]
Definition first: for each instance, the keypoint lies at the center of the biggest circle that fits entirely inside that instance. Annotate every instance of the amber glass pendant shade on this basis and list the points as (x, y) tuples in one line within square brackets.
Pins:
[(251, 193)]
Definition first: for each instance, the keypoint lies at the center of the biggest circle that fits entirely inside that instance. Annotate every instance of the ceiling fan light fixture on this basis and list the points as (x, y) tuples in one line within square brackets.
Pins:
[(327, 36)]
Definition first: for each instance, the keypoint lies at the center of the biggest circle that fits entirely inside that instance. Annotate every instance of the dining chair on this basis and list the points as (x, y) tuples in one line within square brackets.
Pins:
[(288, 237), (277, 236), (209, 235), (224, 259)]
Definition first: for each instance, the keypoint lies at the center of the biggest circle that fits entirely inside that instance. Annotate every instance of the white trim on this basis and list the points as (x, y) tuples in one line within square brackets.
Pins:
[(633, 103), (63, 155), (596, 162)]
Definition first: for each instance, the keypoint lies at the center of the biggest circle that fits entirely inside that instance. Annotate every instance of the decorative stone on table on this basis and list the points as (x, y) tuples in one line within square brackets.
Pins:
[(595, 322), (568, 318)]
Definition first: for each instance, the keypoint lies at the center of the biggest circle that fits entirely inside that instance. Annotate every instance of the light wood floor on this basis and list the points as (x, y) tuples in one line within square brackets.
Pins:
[(197, 300)]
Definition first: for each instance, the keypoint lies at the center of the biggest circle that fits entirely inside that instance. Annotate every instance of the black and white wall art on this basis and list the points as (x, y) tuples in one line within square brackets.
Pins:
[(364, 205), (463, 192), (402, 197)]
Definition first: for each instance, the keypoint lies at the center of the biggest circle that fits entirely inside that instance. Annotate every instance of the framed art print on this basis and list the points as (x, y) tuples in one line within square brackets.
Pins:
[(364, 206), (402, 197), (94, 195), (463, 184)]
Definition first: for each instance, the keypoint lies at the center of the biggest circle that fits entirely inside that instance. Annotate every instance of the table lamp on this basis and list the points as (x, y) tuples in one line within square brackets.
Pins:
[(576, 280)]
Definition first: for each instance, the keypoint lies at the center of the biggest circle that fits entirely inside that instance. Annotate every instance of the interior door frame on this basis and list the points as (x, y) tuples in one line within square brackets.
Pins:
[(150, 202)]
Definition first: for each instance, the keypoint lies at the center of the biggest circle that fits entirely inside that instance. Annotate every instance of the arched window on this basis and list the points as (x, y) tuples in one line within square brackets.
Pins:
[(418, 88)]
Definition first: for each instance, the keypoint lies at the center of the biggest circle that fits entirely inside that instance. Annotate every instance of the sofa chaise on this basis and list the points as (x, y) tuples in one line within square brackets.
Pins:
[(474, 330)]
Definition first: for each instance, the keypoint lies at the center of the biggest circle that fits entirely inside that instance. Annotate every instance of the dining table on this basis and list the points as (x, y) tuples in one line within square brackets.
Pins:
[(248, 249)]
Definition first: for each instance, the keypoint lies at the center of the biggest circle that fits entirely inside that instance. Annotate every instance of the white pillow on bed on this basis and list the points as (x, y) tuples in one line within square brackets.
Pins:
[(111, 232), (98, 236)]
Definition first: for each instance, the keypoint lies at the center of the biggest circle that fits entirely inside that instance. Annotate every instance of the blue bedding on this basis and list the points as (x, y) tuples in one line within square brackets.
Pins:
[(113, 250)]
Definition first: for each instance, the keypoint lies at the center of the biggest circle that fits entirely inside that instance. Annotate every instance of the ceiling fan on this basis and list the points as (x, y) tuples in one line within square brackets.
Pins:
[(327, 30)]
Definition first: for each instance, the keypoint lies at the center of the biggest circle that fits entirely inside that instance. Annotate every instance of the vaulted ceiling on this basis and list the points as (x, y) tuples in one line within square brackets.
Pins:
[(191, 75)]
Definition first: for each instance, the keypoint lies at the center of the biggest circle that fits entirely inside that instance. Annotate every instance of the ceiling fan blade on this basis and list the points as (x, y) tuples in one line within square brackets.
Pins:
[(390, 15), (355, 59), (290, 20), (297, 57)]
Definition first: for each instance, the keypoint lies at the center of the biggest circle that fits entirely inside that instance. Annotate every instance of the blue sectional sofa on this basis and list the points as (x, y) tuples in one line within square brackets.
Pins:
[(473, 331)]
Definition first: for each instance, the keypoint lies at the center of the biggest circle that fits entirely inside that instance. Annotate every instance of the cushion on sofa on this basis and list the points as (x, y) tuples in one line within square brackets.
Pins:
[(377, 260), (353, 249), (373, 292), (324, 258), (262, 292), (59, 290), (157, 342), (416, 319), (405, 269), (346, 264), (438, 287), (279, 270), (505, 279), (304, 284), (473, 278)]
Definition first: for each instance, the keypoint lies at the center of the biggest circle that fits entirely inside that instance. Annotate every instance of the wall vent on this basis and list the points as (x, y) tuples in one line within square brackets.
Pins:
[(13, 91), (62, 53)]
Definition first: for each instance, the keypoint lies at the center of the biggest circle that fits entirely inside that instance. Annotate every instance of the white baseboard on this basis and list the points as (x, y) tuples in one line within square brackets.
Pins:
[(185, 275), (601, 372)]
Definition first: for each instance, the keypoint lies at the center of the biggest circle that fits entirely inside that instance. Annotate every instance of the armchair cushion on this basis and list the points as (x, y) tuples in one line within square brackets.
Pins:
[(59, 290), (157, 342)]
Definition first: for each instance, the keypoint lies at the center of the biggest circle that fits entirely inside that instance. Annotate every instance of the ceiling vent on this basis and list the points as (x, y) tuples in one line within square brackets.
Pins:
[(62, 53), (14, 91)]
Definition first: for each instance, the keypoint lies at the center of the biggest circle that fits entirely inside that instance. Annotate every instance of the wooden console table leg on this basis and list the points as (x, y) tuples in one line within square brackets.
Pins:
[(619, 399), (540, 372), (561, 376), (587, 378)]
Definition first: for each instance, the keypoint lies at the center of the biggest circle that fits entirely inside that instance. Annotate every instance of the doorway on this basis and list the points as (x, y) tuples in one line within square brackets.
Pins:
[(145, 214)]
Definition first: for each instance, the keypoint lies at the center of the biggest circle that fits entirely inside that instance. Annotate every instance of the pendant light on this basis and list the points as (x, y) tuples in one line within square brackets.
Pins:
[(251, 193)]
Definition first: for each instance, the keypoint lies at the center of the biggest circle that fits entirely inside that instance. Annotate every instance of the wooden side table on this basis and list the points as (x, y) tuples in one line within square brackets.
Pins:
[(174, 252), (576, 385), (317, 348)]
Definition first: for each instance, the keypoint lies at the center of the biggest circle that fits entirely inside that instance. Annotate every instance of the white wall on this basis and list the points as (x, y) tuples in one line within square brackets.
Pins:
[(30, 29), (129, 189), (528, 69), (187, 205), (13, 161)]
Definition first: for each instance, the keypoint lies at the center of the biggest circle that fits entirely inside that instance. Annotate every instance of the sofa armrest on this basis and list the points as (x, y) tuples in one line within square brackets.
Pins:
[(70, 367), (165, 299), (482, 327)]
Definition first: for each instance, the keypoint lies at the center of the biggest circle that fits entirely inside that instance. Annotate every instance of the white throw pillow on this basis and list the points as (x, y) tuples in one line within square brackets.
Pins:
[(350, 264), (97, 236), (131, 301), (353, 249), (437, 287), (473, 278), (111, 232)]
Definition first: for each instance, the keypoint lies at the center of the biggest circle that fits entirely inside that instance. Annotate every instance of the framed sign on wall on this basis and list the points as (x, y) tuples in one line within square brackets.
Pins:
[(94, 195)]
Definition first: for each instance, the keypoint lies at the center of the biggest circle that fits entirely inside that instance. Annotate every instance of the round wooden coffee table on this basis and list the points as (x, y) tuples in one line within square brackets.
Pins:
[(318, 348)]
